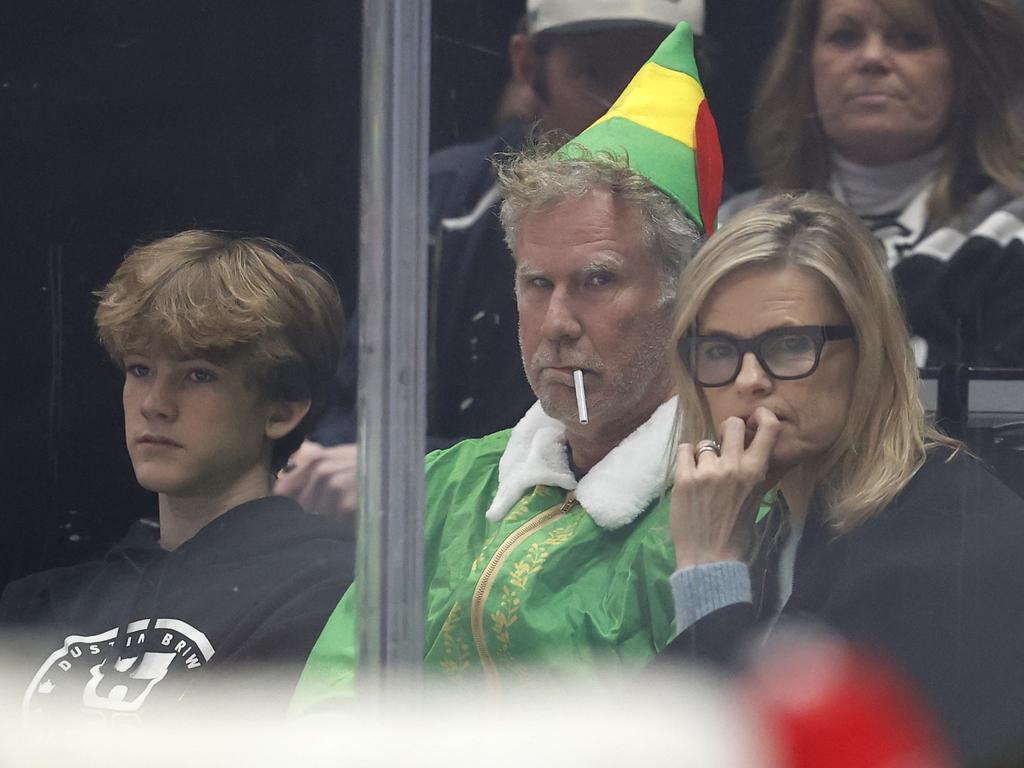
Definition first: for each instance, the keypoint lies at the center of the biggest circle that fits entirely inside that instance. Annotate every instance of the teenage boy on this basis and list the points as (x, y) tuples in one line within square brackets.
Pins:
[(228, 347)]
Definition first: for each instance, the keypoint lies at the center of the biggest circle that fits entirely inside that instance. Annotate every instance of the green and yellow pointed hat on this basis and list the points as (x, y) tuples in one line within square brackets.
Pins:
[(663, 124)]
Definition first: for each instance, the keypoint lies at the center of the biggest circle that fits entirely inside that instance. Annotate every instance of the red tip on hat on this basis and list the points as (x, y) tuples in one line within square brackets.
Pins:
[(709, 166)]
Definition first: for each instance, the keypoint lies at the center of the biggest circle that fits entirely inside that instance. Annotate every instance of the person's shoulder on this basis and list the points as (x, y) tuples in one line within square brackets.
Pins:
[(955, 495), (994, 198), (994, 214), (273, 528), (954, 518), (461, 481), (462, 157), (961, 471), (472, 453), (460, 175), (999, 217), (30, 598), (280, 516)]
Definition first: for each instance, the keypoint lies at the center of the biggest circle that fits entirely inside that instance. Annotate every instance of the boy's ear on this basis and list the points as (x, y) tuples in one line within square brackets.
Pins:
[(284, 416)]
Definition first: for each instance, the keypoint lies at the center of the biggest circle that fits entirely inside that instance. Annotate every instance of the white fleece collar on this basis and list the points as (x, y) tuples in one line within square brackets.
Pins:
[(614, 492)]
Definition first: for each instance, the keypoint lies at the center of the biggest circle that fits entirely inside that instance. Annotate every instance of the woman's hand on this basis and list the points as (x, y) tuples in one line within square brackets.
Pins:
[(716, 497)]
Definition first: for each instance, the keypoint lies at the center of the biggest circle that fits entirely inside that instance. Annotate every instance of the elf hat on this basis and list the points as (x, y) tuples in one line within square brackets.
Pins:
[(663, 125)]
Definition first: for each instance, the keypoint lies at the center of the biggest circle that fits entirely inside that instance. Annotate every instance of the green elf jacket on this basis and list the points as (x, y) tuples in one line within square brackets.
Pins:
[(528, 570)]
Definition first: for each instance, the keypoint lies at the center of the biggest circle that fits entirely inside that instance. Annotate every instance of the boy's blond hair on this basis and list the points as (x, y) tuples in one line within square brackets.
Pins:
[(243, 299)]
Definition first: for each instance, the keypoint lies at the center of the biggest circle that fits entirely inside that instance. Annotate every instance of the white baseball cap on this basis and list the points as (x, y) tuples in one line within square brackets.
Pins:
[(589, 15)]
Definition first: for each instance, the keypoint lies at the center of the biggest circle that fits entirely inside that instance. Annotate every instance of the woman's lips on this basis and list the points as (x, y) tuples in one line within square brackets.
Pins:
[(873, 97)]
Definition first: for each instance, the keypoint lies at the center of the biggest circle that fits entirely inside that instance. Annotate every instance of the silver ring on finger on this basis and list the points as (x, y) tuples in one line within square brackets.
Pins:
[(707, 446)]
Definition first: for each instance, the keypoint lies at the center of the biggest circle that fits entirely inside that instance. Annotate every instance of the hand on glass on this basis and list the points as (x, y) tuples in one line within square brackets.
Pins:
[(323, 479), (716, 495)]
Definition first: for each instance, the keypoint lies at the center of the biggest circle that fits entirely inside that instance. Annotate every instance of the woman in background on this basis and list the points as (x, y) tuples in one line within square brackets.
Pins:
[(908, 111)]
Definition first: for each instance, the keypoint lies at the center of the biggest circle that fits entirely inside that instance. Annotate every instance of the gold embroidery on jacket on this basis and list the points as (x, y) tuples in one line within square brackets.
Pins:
[(519, 578), (455, 633), (520, 508), (456, 650), (483, 587)]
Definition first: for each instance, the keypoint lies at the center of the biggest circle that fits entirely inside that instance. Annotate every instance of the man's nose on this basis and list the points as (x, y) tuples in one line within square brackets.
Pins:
[(160, 400), (560, 317), (752, 378)]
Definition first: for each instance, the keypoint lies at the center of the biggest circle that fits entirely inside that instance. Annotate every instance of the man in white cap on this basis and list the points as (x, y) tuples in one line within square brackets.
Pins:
[(576, 56)]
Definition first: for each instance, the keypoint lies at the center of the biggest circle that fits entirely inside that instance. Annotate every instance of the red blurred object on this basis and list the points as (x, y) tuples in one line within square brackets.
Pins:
[(829, 705)]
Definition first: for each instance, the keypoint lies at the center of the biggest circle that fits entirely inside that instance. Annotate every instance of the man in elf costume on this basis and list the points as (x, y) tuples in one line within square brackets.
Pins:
[(548, 544)]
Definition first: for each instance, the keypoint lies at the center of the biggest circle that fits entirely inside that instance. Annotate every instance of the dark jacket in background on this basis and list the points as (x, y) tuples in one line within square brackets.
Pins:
[(963, 284), (475, 379)]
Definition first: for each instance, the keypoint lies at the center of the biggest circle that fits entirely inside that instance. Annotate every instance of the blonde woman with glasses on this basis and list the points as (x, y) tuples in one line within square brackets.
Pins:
[(795, 373)]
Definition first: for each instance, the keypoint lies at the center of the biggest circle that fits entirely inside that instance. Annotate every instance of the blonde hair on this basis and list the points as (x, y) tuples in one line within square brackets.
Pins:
[(885, 437), (984, 139), (247, 299)]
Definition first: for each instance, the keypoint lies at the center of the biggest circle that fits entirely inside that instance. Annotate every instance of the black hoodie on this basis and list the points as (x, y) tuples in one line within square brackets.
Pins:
[(144, 628)]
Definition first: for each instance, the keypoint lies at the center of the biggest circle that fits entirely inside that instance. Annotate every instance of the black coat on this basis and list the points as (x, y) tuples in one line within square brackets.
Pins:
[(933, 582)]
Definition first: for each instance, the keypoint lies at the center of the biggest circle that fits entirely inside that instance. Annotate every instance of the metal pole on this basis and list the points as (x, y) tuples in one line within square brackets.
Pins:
[(392, 337)]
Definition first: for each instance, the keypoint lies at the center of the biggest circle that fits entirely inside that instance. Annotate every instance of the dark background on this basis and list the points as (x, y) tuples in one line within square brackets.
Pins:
[(123, 120)]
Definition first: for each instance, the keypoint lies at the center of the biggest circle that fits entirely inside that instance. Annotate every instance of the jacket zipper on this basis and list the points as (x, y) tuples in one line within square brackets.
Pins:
[(483, 586)]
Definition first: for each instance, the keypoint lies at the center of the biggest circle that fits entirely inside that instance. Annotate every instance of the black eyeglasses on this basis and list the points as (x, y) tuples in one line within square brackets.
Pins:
[(784, 353)]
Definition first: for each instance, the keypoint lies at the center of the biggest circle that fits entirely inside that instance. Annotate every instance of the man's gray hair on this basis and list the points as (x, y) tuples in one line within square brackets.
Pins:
[(536, 179)]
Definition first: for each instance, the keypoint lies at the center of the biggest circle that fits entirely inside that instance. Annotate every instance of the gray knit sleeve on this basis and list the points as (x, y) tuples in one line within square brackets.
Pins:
[(701, 589)]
